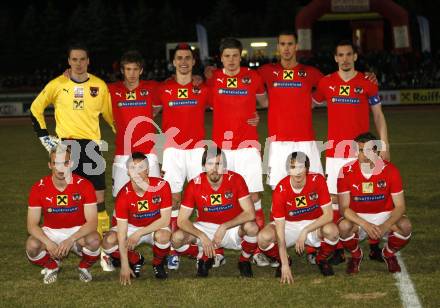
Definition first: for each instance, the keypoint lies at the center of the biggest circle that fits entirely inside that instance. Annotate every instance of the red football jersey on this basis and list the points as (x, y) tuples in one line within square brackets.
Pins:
[(348, 105), (142, 211), (216, 206), (290, 100), (370, 195), (128, 105), (234, 101), (183, 108), (62, 209), (305, 205)]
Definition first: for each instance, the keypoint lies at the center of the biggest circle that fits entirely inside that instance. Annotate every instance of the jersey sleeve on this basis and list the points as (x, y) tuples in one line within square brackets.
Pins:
[(262, 72), (166, 196), (34, 196), (106, 110), (89, 193), (319, 94), (121, 206), (396, 185), (342, 184), (373, 93), (324, 195), (278, 203), (315, 77), (242, 189), (189, 199), (154, 87), (40, 103), (260, 89)]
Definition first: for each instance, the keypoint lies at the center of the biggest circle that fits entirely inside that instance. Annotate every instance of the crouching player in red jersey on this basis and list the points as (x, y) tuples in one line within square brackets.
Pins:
[(372, 203), (225, 215), (302, 212), (67, 203), (143, 212)]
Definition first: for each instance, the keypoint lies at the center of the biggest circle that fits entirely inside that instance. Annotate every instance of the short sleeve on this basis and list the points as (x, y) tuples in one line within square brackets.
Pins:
[(121, 206), (260, 89), (89, 192), (373, 94), (324, 195), (319, 95), (189, 199), (242, 189), (315, 77), (166, 196), (34, 196), (342, 182), (396, 185), (278, 202)]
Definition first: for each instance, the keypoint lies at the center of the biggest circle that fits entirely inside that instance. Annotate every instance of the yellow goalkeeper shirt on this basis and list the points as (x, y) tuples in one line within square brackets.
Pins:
[(77, 107)]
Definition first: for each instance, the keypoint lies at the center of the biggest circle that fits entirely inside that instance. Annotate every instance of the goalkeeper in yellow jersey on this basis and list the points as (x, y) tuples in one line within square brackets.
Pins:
[(78, 101)]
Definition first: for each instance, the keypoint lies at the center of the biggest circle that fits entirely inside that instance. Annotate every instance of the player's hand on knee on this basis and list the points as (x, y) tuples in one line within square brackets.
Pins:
[(208, 246), (64, 247), (52, 248), (125, 275), (49, 142), (286, 274), (372, 230)]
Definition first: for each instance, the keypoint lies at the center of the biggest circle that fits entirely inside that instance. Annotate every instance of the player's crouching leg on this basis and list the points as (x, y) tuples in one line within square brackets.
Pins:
[(161, 249), (329, 235), (397, 239), (91, 253), (267, 244), (38, 255), (248, 247)]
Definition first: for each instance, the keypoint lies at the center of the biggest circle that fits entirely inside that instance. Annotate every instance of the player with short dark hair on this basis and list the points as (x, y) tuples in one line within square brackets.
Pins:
[(372, 202), (301, 208), (143, 211), (67, 203), (225, 215)]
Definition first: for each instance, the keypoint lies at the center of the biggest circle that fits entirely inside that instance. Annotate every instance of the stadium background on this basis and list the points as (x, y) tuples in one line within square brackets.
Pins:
[(34, 35)]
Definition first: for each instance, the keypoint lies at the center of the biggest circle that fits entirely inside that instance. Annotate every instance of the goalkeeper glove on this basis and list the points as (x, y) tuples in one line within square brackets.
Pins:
[(49, 142)]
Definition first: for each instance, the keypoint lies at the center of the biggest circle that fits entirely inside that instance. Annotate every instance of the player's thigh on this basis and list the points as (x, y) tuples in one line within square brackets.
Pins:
[(147, 238), (119, 173), (333, 166), (91, 164), (193, 163), (310, 148), (206, 227), (153, 165), (162, 235), (174, 167), (293, 230), (375, 219), (248, 165), (278, 153), (232, 239)]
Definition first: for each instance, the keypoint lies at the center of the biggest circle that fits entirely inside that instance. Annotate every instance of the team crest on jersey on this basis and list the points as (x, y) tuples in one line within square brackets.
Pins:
[(78, 104), (216, 199), (288, 74), (344, 90), (131, 95), (76, 197), (381, 184), (156, 199), (246, 80), (301, 201), (62, 200), (229, 195), (196, 90), (313, 196), (94, 91), (367, 187), (182, 93), (78, 92), (232, 82), (358, 90), (143, 92), (302, 74), (142, 205)]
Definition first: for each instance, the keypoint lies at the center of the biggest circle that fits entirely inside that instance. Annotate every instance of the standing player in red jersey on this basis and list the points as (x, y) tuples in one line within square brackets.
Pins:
[(301, 207), (290, 85), (67, 202), (133, 102), (225, 215), (234, 92), (372, 203), (349, 98), (183, 121), (143, 211)]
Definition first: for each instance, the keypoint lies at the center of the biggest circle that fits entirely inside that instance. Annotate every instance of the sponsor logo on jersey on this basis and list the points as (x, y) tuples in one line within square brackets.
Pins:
[(142, 205), (182, 102), (146, 215), (78, 104), (62, 200), (246, 80), (182, 93), (369, 198), (302, 211), (232, 82), (345, 100), (302, 74), (143, 92), (288, 74), (344, 90), (216, 199), (131, 95), (76, 196), (62, 210), (136, 103), (301, 201), (358, 90), (313, 196), (78, 92), (156, 199), (94, 91), (229, 195), (287, 84), (216, 209), (382, 184), (367, 187), (238, 92)]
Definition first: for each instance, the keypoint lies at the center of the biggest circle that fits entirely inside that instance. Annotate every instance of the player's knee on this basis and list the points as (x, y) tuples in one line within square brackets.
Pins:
[(405, 226), (93, 241), (345, 226), (110, 239), (250, 228), (330, 231), (162, 236), (266, 237), (33, 246), (177, 239), (255, 197)]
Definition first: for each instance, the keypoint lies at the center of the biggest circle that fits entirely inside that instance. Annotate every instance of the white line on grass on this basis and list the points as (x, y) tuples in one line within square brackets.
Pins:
[(407, 291)]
